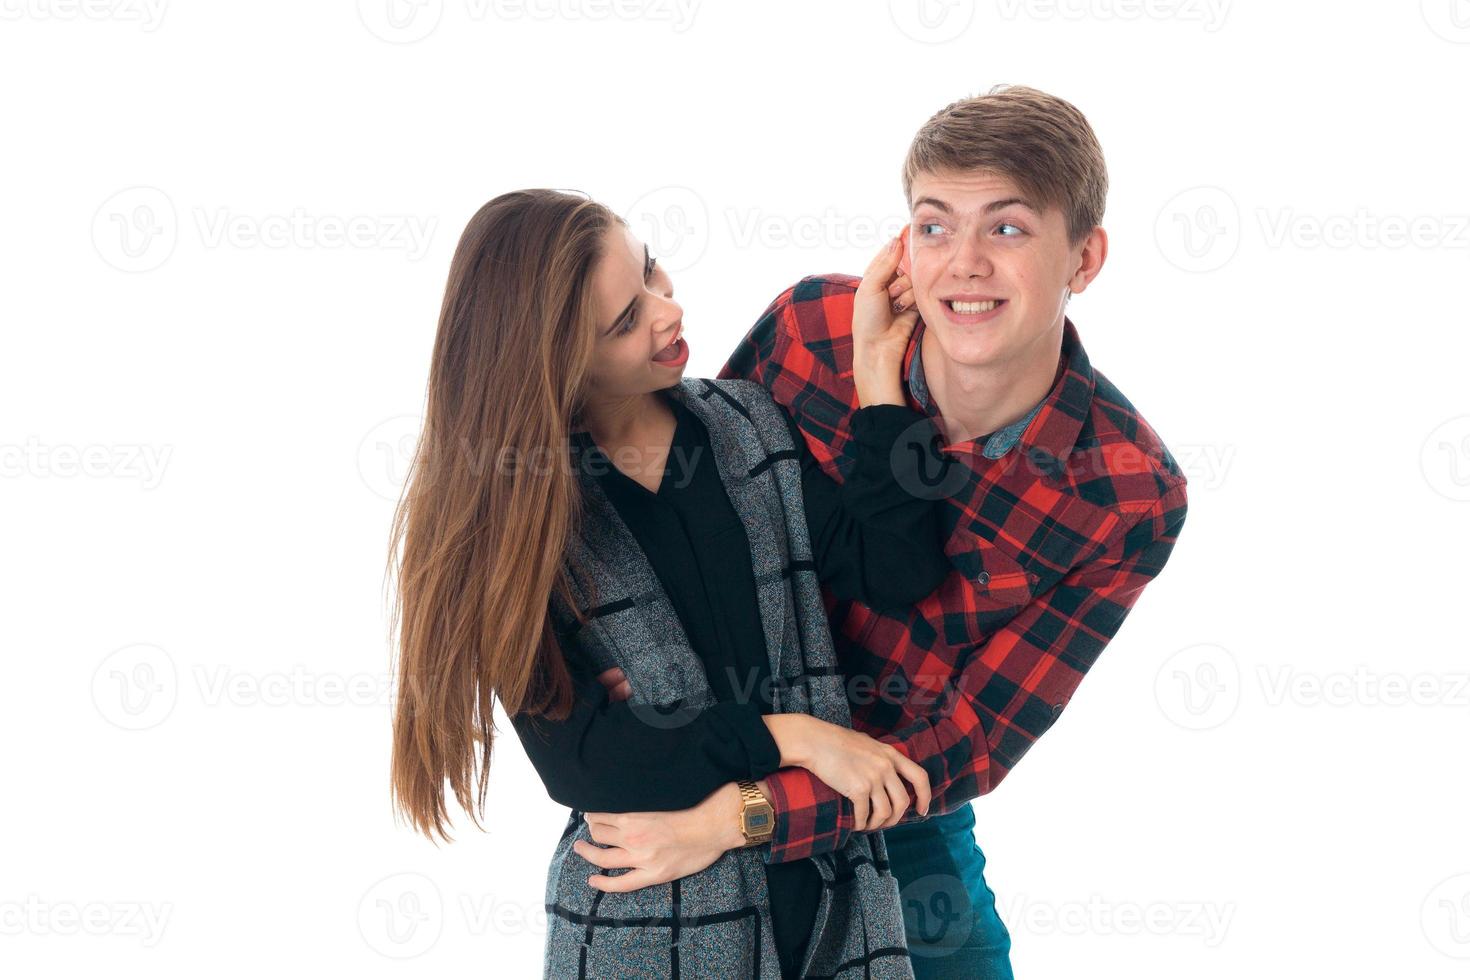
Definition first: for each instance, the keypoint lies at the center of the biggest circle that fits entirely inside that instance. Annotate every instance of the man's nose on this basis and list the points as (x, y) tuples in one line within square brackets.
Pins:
[(970, 258)]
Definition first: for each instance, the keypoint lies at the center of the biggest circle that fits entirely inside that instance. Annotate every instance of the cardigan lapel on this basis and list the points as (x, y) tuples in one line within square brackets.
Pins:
[(611, 556), (738, 454)]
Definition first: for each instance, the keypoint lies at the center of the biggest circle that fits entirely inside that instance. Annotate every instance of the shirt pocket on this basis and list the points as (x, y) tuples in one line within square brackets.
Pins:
[(986, 589)]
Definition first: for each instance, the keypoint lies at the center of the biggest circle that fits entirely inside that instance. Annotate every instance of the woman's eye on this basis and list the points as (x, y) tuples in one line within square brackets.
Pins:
[(627, 326)]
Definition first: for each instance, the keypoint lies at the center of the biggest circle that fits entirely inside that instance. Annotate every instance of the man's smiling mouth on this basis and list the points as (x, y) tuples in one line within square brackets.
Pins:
[(971, 306)]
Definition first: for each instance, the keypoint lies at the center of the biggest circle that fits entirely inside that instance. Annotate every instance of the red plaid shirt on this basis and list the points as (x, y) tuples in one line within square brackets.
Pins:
[(1051, 542)]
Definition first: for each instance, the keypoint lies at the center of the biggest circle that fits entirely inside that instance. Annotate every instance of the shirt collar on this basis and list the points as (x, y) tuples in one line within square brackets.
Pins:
[(1048, 433)]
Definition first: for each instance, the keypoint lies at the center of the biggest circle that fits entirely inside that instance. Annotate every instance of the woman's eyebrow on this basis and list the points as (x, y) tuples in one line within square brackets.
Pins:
[(647, 266)]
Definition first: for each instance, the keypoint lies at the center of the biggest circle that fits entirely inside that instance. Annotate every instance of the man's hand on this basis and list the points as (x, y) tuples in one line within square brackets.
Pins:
[(659, 847)]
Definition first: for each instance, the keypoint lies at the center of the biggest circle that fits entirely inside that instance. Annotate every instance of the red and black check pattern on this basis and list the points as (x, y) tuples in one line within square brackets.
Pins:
[(1051, 545)]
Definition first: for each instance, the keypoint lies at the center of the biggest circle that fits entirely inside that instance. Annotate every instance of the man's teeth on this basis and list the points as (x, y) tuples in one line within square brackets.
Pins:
[(959, 306)]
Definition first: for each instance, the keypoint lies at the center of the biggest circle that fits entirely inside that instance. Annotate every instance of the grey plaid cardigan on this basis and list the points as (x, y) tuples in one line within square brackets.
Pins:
[(716, 923)]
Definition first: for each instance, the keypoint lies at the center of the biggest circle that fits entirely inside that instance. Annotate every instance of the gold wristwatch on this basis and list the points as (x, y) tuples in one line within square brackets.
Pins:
[(757, 819)]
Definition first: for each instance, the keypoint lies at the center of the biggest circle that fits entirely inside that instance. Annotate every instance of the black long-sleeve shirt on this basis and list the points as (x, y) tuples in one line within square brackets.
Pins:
[(871, 541)]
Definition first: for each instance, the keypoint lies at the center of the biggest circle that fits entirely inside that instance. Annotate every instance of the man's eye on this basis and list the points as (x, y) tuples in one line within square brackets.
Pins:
[(1007, 224), (925, 226)]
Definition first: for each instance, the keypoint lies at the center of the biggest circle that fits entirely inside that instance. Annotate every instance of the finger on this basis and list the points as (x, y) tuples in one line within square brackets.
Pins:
[(622, 692), (899, 286), (898, 793), (605, 833), (918, 778), (903, 301), (860, 813), (603, 857), (880, 270), (882, 808), (631, 881), (612, 677)]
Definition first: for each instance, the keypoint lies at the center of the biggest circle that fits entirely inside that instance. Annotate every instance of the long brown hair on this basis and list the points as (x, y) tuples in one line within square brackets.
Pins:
[(489, 505)]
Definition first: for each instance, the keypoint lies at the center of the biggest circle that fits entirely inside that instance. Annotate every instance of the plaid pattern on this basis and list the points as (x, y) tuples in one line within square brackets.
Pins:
[(1052, 538)]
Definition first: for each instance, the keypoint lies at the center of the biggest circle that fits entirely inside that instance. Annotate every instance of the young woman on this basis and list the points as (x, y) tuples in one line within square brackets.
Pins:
[(577, 507)]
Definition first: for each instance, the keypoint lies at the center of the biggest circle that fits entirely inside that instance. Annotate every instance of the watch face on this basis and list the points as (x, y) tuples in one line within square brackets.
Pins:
[(759, 821)]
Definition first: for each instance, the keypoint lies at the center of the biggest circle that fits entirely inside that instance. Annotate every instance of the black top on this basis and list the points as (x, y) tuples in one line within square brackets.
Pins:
[(871, 541)]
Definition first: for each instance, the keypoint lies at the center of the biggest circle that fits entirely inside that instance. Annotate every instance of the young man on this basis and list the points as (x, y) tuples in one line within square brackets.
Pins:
[(1062, 503)]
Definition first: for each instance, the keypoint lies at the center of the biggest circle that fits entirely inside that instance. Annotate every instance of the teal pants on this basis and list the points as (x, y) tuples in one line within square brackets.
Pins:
[(953, 928)]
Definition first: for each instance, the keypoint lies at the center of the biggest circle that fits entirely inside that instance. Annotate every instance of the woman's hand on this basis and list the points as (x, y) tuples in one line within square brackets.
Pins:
[(868, 772), (883, 319)]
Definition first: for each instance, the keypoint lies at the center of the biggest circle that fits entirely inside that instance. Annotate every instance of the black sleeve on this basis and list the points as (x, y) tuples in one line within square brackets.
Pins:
[(603, 757), (873, 539)]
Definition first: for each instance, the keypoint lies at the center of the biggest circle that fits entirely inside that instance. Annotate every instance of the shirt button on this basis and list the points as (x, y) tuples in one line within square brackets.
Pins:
[(983, 578)]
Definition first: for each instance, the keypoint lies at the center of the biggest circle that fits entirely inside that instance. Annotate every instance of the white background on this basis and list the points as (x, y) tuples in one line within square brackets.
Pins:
[(207, 399)]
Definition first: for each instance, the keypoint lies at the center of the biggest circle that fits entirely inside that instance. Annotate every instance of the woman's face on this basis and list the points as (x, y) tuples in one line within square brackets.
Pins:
[(637, 321)]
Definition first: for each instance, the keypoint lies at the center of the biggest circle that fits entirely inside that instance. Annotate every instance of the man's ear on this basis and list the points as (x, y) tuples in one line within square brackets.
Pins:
[(903, 250)]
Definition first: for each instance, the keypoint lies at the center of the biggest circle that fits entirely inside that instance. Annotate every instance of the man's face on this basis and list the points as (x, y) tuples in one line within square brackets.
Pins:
[(990, 272)]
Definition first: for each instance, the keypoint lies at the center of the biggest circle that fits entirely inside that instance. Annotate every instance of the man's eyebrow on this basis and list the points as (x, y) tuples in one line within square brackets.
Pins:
[(647, 262), (1004, 202)]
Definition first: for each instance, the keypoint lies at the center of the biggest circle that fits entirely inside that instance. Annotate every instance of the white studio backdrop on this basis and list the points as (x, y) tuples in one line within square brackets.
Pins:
[(225, 229)]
